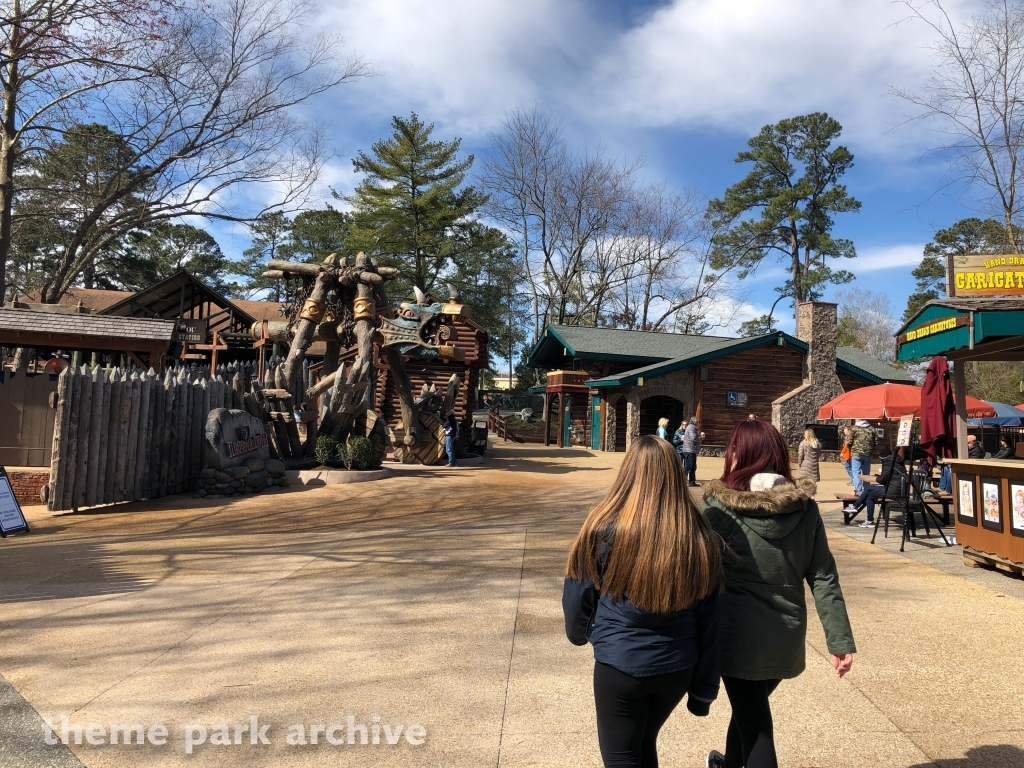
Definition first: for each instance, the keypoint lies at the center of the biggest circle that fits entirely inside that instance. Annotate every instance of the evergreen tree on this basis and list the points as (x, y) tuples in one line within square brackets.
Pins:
[(315, 235), (785, 206), (60, 189), (489, 273), (967, 236), (759, 326), (271, 239), (150, 256), (409, 211)]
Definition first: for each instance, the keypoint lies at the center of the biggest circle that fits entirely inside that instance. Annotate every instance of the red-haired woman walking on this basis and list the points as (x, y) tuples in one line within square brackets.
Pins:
[(775, 541)]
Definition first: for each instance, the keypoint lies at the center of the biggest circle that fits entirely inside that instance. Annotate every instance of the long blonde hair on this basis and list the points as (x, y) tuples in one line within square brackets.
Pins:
[(811, 438), (663, 555)]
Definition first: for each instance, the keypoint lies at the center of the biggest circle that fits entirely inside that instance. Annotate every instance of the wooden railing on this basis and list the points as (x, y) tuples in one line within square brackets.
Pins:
[(497, 424), (567, 378)]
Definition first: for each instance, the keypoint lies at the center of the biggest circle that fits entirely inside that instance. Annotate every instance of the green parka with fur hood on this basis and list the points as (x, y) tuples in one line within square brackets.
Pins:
[(775, 541)]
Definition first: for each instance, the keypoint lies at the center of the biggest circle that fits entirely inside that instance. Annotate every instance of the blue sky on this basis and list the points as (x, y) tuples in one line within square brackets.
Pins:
[(683, 83)]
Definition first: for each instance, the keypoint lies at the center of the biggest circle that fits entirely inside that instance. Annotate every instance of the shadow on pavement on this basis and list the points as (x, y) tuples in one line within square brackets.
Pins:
[(994, 756)]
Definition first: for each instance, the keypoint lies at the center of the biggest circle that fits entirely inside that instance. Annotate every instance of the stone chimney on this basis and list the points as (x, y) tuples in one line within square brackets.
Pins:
[(816, 325)]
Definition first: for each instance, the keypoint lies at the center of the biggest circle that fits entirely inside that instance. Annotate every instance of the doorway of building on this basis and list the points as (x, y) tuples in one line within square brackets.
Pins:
[(657, 407)]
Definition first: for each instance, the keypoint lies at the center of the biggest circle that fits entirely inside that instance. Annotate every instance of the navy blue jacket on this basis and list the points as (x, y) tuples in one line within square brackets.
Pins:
[(645, 644)]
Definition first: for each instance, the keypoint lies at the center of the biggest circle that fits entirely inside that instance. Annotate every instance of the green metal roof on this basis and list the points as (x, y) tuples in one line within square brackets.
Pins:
[(992, 319), (729, 347), (559, 341), (849, 360), (852, 357)]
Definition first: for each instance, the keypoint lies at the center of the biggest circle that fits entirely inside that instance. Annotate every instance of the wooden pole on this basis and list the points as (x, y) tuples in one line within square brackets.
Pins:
[(98, 432), (113, 418), (157, 398), (131, 463), (82, 455), (144, 435), (960, 401), (195, 461), (68, 492), (123, 427), (58, 456), (170, 394), (184, 429)]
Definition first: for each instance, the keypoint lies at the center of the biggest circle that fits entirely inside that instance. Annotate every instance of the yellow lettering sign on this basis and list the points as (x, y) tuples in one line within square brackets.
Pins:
[(947, 324)]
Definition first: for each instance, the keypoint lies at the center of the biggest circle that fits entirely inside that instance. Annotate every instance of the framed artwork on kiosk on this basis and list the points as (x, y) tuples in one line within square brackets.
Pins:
[(1017, 508), (965, 511), (991, 504)]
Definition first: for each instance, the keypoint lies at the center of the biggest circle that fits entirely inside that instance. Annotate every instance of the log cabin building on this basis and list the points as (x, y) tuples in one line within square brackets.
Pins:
[(606, 387)]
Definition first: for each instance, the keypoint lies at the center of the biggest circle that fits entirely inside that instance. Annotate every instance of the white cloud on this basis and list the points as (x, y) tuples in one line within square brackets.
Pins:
[(887, 257), (744, 63), (463, 62)]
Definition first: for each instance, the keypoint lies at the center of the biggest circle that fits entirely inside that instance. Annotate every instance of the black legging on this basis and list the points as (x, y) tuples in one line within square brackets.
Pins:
[(631, 711), (751, 738)]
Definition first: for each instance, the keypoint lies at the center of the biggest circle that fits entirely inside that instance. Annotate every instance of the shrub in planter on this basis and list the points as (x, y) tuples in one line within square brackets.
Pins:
[(329, 451), (361, 453)]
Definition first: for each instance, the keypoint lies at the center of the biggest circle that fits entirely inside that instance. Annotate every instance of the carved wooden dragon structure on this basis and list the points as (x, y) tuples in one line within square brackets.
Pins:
[(343, 302)]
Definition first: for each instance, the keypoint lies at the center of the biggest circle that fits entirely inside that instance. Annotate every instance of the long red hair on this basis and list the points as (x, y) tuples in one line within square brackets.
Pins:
[(754, 447)]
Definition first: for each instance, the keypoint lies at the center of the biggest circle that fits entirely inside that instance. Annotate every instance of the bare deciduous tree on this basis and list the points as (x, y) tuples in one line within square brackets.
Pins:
[(866, 321), (206, 108), (599, 247), (976, 94), (56, 56)]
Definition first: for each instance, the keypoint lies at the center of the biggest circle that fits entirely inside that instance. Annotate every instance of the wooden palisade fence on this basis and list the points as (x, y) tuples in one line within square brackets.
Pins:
[(126, 435)]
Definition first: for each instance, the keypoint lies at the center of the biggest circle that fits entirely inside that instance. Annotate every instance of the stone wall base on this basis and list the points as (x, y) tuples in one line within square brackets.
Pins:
[(28, 483)]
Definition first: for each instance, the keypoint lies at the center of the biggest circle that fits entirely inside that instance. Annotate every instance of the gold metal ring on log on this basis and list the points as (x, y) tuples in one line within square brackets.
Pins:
[(363, 309), (312, 310)]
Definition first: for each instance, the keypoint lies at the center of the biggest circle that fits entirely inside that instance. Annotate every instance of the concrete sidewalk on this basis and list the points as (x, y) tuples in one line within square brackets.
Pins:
[(432, 599)]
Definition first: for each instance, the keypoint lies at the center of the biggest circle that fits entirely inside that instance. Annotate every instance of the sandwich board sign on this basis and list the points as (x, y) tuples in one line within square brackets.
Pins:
[(11, 517)]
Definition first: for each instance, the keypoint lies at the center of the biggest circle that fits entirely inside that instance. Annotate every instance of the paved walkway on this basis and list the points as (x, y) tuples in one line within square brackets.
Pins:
[(432, 599)]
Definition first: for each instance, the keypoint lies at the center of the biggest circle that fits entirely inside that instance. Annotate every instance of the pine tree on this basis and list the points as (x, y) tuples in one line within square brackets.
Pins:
[(967, 236), (271, 239), (409, 210), (794, 191), (317, 234)]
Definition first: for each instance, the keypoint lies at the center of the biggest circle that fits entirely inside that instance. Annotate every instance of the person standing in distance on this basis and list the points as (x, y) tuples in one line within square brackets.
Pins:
[(690, 447), (642, 585), (451, 433), (862, 444), (774, 541), (663, 428)]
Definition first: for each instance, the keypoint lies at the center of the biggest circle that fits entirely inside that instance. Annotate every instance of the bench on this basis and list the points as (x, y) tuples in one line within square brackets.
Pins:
[(846, 499), (944, 500)]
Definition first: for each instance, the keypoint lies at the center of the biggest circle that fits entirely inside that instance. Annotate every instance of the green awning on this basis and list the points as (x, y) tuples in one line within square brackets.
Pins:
[(946, 326)]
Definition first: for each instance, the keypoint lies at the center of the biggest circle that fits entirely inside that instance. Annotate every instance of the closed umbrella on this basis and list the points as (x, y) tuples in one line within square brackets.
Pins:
[(938, 413)]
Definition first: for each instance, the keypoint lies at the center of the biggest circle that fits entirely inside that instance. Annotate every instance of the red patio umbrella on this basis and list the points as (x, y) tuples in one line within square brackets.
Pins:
[(888, 401)]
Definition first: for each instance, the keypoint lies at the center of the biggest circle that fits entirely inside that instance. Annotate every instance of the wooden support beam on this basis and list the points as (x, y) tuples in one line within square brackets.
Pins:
[(960, 401)]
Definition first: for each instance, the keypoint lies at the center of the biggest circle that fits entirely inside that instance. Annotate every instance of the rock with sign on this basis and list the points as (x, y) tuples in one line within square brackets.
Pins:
[(232, 437)]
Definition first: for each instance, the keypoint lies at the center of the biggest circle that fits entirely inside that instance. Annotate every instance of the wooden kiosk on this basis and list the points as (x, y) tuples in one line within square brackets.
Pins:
[(988, 494)]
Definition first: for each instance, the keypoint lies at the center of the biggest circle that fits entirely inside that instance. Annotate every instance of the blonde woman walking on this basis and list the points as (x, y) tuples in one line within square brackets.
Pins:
[(808, 456), (642, 587), (663, 428)]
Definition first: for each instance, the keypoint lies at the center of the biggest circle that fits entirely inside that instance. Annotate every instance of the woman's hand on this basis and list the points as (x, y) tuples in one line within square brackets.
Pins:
[(842, 664)]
